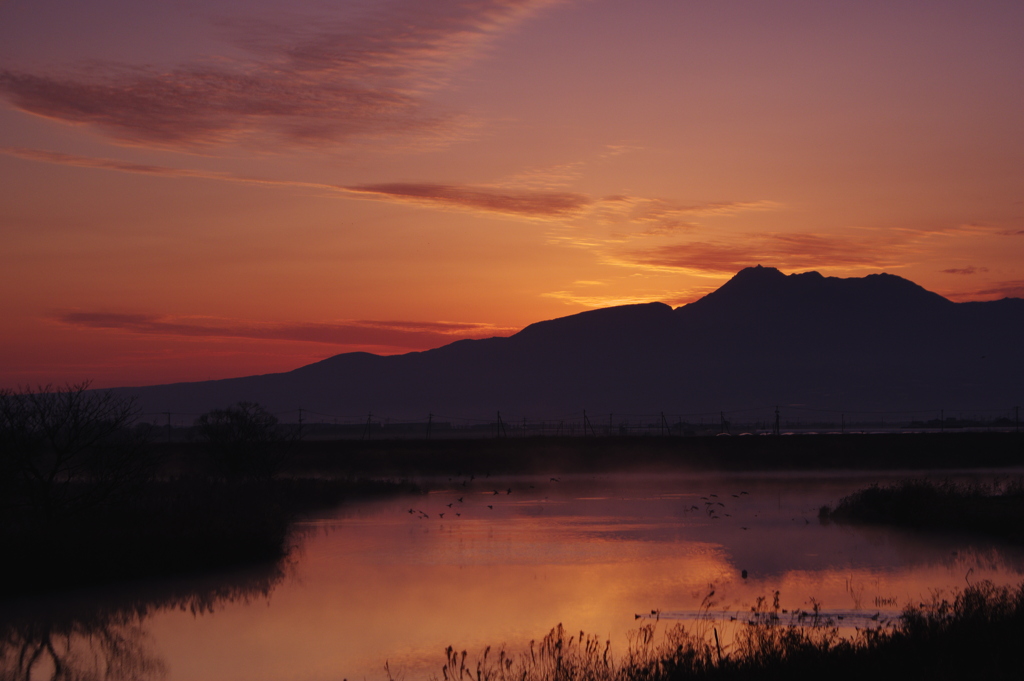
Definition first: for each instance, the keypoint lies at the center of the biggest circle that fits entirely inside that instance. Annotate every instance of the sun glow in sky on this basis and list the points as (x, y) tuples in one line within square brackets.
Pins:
[(196, 190)]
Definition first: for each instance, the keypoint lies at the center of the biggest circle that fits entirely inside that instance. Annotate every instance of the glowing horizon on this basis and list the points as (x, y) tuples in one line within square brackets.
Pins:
[(212, 190)]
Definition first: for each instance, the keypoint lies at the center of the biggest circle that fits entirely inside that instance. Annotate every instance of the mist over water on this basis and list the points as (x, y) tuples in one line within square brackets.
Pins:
[(393, 581)]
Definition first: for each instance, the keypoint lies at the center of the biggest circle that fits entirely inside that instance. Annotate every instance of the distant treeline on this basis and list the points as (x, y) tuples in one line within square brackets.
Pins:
[(776, 421), (409, 458)]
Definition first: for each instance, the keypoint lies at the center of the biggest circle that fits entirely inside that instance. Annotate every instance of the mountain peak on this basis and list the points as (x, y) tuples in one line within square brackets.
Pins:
[(755, 285), (759, 273), (768, 290), (754, 278)]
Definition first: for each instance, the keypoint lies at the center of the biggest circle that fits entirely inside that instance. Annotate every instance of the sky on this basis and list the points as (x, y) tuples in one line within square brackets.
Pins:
[(198, 190)]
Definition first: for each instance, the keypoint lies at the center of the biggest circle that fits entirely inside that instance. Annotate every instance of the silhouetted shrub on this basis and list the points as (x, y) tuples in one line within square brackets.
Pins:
[(996, 511), (246, 441)]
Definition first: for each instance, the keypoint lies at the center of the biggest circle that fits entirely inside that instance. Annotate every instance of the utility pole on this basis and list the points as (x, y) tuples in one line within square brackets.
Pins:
[(501, 427), (168, 425), (366, 432), (586, 424), (430, 420), (777, 429), (842, 427)]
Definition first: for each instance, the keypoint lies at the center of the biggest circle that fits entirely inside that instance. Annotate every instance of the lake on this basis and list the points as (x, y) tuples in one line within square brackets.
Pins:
[(394, 582)]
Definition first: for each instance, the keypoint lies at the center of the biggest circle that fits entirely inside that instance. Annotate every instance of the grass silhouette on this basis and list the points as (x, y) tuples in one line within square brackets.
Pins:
[(975, 634)]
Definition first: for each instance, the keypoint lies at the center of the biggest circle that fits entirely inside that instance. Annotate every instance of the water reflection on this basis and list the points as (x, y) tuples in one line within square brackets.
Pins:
[(375, 583), (111, 647), (101, 634)]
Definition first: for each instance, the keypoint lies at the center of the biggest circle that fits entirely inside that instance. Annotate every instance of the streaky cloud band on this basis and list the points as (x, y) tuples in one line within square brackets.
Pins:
[(364, 78), (415, 335)]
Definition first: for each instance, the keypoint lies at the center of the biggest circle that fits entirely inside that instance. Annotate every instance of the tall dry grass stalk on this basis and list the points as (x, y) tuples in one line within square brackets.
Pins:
[(975, 634)]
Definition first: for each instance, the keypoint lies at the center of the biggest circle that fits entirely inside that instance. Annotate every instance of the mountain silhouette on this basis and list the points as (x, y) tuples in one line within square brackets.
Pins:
[(876, 343)]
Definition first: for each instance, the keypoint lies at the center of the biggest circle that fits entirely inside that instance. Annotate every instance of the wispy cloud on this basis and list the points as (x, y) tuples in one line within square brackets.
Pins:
[(411, 335), (160, 171), (516, 203), (613, 150), (1001, 289), (971, 269), (600, 301), (632, 216), (551, 177), (992, 291), (596, 301), (334, 82), (538, 204), (659, 217), (787, 251), (59, 158)]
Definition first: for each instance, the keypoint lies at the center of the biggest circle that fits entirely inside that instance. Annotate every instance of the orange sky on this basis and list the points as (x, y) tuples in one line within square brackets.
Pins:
[(204, 190)]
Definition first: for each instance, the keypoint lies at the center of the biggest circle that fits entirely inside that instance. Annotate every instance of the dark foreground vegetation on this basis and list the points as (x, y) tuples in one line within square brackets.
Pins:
[(996, 511), (976, 635), (171, 527), (85, 498)]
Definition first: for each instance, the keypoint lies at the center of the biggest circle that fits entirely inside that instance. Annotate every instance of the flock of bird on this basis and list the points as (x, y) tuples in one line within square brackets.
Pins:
[(457, 505), (710, 503), (712, 507)]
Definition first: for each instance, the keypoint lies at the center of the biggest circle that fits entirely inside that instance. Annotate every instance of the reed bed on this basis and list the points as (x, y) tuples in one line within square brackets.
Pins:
[(995, 510), (976, 633)]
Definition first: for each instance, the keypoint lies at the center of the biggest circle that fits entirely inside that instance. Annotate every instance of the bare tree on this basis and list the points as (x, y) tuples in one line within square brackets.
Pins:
[(68, 449)]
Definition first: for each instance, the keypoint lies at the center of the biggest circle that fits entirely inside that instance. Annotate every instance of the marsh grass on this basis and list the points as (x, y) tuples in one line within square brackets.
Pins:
[(975, 634), (995, 510)]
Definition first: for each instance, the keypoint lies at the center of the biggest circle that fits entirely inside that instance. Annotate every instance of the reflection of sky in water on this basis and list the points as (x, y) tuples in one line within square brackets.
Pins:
[(378, 583)]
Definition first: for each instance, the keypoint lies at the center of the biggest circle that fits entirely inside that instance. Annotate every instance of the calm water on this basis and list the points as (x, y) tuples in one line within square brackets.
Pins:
[(375, 583)]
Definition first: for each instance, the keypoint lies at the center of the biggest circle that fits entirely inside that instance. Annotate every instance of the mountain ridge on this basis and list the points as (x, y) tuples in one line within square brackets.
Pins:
[(764, 337)]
